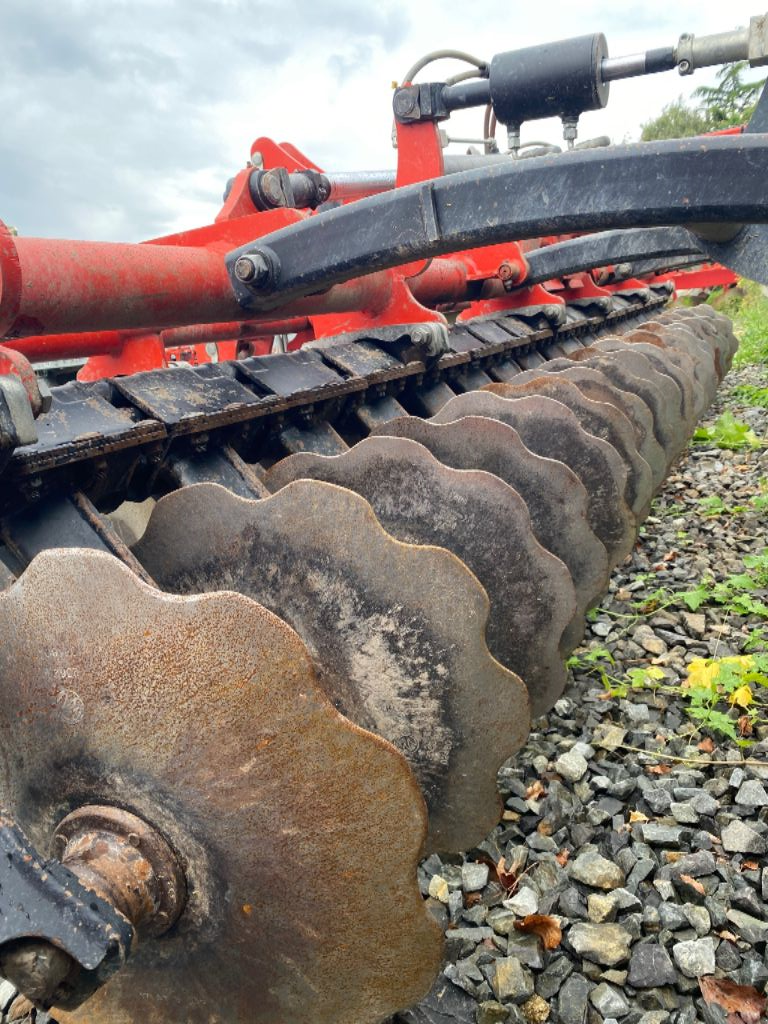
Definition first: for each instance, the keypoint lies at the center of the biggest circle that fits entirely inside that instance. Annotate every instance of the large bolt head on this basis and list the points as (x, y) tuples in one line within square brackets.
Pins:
[(251, 269)]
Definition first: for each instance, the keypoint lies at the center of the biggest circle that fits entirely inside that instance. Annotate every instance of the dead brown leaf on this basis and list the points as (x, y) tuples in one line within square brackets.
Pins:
[(742, 1003), (535, 790), (545, 926), (659, 769), (544, 828), (707, 745), (728, 936), (507, 878), (749, 865), (562, 858), (471, 899), (745, 725), (694, 883), (635, 816)]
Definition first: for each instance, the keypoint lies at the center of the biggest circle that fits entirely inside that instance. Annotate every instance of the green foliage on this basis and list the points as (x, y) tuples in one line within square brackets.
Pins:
[(732, 101), (729, 433), (676, 121), (752, 395), (722, 694), (714, 506), (747, 306), (735, 594)]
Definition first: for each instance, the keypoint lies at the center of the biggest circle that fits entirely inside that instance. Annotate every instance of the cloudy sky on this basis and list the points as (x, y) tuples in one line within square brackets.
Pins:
[(123, 119)]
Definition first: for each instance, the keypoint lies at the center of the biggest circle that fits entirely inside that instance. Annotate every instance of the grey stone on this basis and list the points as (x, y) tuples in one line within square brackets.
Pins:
[(608, 1001), (685, 813), (601, 943), (672, 917), (510, 981), (644, 637), (695, 958), (659, 800), (752, 794), (727, 957), (596, 871), (572, 765), (527, 949), (750, 928), (475, 935), (573, 1000), (608, 736), (705, 804), (662, 835), (695, 623), (637, 714), (736, 778), (650, 967), (626, 900), (524, 902), (695, 864), (502, 921), (474, 877), (553, 976), (601, 908), (698, 918), (738, 837), (445, 1004)]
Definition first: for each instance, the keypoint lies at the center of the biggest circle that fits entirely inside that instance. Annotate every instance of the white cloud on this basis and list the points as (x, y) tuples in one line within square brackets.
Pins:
[(124, 120)]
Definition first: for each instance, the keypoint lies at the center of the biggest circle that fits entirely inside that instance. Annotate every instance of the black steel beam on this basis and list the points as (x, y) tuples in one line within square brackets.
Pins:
[(713, 180), (608, 247)]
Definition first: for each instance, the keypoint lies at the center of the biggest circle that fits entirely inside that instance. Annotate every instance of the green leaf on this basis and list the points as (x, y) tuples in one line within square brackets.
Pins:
[(694, 599), (727, 433)]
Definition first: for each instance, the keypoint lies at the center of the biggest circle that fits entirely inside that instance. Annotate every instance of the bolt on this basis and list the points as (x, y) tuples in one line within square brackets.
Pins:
[(405, 102), (508, 271), (251, 269), (684, 67)]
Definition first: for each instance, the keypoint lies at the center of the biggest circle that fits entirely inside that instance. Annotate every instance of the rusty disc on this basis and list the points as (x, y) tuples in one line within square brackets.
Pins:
[(596, 385), (666, 363), (483, 521), (633, 372), (678, 337), (396, 631), (597, 418), (551, 430), (299, 834), (556, 498)]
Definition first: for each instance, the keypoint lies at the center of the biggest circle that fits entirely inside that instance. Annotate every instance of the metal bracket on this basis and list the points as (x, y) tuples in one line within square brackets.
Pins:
[(42, 904)]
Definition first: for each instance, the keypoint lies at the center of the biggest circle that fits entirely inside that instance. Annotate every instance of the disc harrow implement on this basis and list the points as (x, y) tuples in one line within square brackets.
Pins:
[(289, 565)]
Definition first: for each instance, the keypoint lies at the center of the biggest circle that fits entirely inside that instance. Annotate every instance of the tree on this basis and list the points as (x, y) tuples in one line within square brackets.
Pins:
[(676, 121), (730, 102)]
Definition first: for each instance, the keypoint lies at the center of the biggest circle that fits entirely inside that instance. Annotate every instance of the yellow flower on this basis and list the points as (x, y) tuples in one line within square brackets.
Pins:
[(702, 674), (742, 697)]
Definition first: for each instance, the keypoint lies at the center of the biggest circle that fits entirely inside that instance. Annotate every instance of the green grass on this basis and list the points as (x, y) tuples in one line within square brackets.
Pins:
[(747, 305)]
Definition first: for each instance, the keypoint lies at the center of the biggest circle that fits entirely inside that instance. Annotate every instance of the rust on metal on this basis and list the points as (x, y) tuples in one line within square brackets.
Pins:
[(556, 498), (203, 716), (397, 631), (480, 519)]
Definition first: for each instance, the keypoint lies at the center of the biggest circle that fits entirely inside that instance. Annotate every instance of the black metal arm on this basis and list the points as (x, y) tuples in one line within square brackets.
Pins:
[(716, 180)]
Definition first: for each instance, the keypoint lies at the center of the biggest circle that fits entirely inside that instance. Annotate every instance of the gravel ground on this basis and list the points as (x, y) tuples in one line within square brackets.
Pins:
[(655, 868)]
